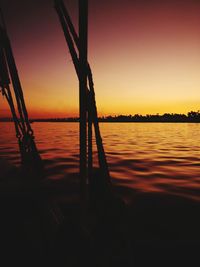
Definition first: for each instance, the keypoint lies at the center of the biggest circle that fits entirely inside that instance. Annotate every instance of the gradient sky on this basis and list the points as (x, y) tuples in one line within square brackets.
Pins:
[(145, 56)]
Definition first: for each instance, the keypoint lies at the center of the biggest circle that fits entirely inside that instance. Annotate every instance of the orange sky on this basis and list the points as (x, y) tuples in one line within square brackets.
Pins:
[(145, 57)]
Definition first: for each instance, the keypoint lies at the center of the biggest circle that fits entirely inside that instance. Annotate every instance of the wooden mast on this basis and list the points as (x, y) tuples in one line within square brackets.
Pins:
[(77, 45), (83, 50)]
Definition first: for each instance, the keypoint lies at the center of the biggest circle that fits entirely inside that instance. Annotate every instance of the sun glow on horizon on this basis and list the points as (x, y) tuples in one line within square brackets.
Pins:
[(145, 60)]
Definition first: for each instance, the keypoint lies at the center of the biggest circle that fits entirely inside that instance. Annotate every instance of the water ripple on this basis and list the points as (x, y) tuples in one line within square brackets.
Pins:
[(147, 157)]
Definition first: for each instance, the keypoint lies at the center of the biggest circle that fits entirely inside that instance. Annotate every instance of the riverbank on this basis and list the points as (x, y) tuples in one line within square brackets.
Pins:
[(191, 117)]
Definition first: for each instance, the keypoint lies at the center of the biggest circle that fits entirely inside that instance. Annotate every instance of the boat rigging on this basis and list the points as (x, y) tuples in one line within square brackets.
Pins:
[(30, 158), (88, 111)]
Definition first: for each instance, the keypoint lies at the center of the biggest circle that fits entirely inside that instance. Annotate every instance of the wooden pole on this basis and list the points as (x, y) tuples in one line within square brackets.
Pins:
[(72, 39), (83, 37)]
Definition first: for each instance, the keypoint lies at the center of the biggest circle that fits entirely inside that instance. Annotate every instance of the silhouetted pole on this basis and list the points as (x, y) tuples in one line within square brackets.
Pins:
[(90, 159), (72, 39), (83, 38)]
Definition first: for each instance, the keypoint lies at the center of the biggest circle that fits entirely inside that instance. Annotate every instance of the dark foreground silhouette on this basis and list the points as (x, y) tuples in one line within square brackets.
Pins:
[(40, 226)]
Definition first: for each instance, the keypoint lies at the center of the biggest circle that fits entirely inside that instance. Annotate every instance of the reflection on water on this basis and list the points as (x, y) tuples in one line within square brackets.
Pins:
[(163, 157)]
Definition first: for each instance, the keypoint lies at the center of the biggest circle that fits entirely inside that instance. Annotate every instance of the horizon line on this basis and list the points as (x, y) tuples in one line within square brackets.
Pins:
[(136, 115)]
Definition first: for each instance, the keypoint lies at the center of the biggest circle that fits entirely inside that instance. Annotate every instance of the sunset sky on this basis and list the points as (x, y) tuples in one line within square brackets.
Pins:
[(145, 56)]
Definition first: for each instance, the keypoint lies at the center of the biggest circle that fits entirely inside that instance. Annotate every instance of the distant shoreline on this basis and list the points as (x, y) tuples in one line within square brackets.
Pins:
[(100, 121), (103, 121), (191, 117)]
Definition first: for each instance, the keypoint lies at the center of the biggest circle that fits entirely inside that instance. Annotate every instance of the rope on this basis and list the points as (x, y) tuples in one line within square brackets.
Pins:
[(71, 39), (30, 157)]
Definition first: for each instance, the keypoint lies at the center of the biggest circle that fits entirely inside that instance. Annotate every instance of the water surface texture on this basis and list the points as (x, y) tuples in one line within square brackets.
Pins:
[(147, 157)]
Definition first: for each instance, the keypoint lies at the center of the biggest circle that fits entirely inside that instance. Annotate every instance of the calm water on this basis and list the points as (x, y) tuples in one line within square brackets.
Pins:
[(142, 156)]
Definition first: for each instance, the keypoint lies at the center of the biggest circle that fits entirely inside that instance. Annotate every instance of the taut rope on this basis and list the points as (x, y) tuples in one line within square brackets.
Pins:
[(30, 157)]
